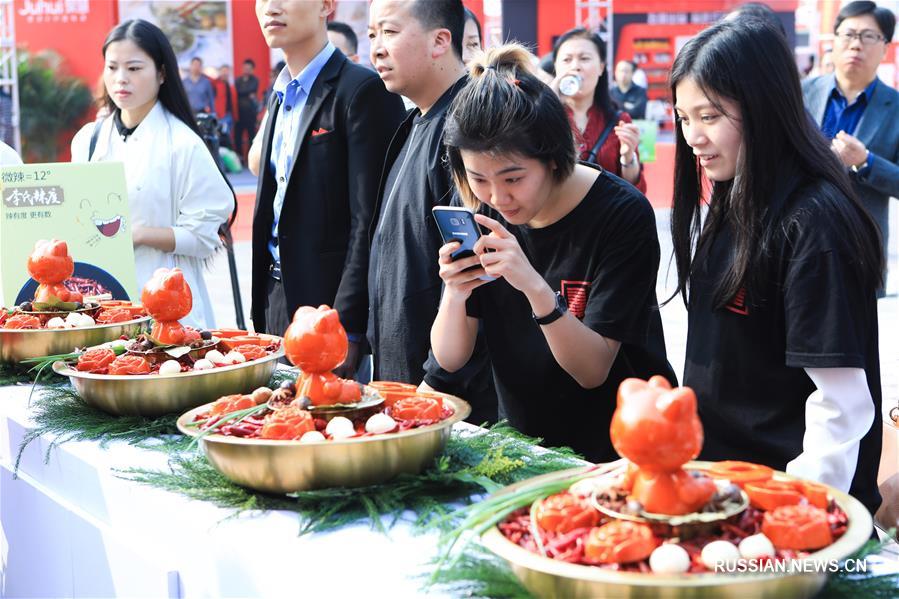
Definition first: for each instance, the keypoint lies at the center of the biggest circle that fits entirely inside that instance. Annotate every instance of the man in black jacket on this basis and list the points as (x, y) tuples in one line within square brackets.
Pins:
[(329, 125), (416, 47), (247, 86)]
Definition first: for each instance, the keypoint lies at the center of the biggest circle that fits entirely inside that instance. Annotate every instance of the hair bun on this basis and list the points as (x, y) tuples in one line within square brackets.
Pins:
[(508, 60)]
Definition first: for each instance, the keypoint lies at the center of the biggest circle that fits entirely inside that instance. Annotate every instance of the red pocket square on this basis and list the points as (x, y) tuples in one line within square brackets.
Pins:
[(319, 132)]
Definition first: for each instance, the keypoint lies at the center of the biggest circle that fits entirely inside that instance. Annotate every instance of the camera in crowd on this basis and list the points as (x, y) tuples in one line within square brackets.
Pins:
[(208, 125)]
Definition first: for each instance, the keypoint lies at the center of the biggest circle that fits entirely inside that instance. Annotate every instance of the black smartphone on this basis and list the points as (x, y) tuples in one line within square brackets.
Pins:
[(458, 224)]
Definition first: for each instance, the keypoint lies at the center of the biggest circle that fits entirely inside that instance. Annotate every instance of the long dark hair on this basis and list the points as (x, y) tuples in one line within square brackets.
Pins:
[(601, 98), (505, 109), (748, 62), (150, 38)]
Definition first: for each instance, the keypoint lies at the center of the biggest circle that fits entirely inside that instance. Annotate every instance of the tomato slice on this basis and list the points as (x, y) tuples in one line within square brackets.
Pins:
[(290, 422), (564, 512), (417, 408), (95, 360), (816, 493), (22, 321), (740, 473), (770, 494), (129, 364), (798, 527), (620, 542), (231, 403)]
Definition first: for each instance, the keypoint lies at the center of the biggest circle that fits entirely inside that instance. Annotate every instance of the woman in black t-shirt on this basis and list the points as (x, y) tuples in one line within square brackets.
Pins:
[(574, 251), (780, 276)]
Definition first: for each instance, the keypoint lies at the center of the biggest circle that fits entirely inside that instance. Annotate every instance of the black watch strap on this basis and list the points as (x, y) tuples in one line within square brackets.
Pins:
[(560, 309)]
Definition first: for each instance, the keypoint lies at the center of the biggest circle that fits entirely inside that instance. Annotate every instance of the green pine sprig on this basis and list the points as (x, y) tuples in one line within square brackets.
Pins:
[(472, 464), (851, 585)]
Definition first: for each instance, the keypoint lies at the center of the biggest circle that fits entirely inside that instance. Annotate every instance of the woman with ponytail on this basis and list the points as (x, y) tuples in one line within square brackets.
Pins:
[(573, 250)]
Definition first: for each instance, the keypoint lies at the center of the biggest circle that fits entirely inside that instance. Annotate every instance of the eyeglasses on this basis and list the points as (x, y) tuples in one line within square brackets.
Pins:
[(868, 38)]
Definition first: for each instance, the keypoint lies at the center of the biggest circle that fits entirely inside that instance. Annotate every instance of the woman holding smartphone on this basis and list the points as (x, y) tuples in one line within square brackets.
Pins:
[(572, 311), (780, 276)]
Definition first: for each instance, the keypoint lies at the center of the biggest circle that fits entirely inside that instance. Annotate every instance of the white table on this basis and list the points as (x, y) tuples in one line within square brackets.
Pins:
[(72, 528)]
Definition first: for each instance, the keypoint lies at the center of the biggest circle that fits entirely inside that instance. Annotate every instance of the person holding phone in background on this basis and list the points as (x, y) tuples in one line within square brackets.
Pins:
[(573, 311)]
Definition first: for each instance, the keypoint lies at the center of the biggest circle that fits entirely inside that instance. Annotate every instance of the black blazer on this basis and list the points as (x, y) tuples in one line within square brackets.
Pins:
[(344, 131)]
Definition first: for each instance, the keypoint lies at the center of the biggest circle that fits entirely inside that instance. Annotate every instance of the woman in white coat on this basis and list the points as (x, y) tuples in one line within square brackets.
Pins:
[(177, 196)]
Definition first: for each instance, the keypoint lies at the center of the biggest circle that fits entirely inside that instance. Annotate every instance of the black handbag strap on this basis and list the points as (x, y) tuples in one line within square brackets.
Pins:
[(94, 137), (591, 157)]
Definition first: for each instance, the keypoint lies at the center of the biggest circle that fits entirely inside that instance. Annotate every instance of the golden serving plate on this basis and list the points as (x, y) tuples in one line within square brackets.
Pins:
[(546, 577), (20, 344), (154, 394), (274, 466)]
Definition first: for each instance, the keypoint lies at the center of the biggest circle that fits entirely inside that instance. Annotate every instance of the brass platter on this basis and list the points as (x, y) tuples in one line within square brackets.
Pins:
[(154, 394), (19, 344), (545, 577), (288, 466)]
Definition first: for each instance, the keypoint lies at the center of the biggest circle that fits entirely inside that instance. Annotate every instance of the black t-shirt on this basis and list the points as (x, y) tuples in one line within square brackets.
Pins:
[(745, 361), (603, 257)]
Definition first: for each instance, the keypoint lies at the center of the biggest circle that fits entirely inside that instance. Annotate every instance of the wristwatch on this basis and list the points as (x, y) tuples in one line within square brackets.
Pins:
[(860, 167), (632, 162), (560, 309)]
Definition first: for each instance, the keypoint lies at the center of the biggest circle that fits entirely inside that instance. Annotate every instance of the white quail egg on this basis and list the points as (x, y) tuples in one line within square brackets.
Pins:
[(170, 367), (380, 423), (669, 558), (203, 364), (235, 357), (717, 554), (56, 323), (312, 437), (340, 428), (215, 356), (756, 546)]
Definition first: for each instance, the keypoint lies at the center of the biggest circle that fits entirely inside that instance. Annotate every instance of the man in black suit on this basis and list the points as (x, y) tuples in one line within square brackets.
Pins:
[(329, 125)]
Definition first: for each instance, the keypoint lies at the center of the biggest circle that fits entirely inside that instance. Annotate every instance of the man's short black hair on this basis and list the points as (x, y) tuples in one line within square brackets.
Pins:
[(250, 62), (197, 58), (347, 32), (442, 14), (885, 18)]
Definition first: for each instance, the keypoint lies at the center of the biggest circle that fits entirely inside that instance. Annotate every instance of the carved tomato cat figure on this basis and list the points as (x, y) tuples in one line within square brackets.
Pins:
[(167, 297), (315, 341), (50, 264), (658, 429)]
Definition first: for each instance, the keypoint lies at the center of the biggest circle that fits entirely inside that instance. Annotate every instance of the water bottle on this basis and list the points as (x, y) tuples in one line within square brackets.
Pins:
[(570, 85)]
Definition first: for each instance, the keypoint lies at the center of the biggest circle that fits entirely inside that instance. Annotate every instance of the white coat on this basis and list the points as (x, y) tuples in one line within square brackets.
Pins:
[(8, 156), (172, 181)]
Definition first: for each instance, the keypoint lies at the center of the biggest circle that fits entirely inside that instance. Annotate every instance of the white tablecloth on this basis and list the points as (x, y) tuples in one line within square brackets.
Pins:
[(72, 528)]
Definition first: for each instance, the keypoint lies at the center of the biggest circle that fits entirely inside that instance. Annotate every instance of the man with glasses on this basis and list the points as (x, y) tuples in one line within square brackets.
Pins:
[(857, 111)]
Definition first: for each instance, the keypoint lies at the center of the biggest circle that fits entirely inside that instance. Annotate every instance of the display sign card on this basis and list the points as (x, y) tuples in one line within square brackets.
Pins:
[(86, 205)]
